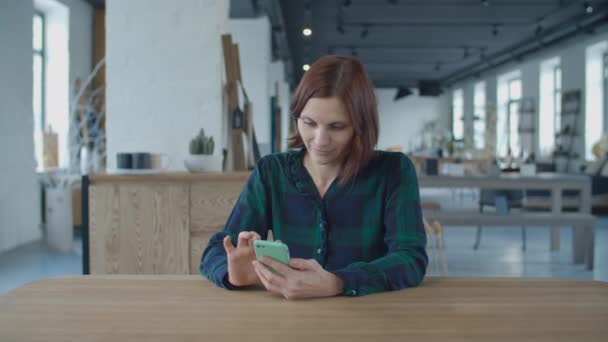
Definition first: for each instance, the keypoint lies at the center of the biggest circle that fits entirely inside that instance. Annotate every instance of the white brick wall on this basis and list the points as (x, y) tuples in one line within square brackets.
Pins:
[(164, 75)]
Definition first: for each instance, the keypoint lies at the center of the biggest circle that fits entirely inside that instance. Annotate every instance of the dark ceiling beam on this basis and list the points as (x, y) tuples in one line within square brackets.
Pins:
[(578, 25)]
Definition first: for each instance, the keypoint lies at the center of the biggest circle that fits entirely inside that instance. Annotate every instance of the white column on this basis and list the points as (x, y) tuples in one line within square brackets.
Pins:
[(20, 204), (164, 75)]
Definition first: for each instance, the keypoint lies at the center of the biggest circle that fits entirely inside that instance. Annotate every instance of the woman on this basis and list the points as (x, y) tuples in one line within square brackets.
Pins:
[(350, 215)]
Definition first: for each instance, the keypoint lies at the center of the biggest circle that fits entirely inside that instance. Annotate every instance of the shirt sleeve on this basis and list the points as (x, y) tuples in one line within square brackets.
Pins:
[(406, 260), (250, 213)]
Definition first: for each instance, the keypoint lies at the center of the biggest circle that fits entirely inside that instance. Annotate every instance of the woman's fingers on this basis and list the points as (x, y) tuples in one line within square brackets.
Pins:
[(259, 270), (303, 264), (281, 268), (255, 236), (243, 237), (228, 244)]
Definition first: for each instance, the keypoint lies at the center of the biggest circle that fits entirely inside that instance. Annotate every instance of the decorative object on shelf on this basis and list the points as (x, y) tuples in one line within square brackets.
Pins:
[(87, 138), (201, 158)]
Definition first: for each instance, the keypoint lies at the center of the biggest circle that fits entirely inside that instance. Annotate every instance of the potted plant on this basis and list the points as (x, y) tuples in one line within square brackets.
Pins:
[(201, 158)]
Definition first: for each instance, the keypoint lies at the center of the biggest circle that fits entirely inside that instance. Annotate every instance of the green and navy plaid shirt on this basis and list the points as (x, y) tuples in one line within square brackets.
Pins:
[(368, 232)]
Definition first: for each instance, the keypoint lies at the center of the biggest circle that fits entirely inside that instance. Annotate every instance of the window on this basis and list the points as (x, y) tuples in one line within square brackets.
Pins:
[(50, 42), (457, 114), (594, 101), (479, 121), (39, 71), (550, 105), (507, 118)]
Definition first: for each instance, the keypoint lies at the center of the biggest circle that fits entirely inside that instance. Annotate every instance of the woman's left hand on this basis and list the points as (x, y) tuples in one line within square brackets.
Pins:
[(304, 279)]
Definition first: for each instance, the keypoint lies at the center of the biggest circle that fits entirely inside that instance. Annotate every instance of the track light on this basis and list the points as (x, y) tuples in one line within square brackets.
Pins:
[(402, 92), (307, 31), (588, 7)]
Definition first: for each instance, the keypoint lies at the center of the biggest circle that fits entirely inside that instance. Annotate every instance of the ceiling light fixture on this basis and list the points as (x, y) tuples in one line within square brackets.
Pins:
[(307, 31), (402, 92), (305, 67), (588, 7)]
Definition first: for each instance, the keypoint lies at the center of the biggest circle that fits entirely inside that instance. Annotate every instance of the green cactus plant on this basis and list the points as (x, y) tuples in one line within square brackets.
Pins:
[(202, 144)]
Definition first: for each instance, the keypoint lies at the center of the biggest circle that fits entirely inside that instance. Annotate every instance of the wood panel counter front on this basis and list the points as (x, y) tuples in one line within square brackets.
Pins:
[(190, 308), (156, 223)]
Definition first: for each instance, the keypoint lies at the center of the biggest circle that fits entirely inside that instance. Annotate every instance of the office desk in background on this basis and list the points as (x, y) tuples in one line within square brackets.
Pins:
[(190, 308)]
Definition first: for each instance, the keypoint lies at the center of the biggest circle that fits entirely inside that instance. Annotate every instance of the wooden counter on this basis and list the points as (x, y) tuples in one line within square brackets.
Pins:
[(190, 308), (156, 223)]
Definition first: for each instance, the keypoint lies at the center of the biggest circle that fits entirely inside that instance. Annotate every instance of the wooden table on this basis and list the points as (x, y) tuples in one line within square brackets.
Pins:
[(189, 308), (582, 222)]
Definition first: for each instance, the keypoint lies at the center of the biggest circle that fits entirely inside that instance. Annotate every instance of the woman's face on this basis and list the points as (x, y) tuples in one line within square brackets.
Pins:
[(326, 130)]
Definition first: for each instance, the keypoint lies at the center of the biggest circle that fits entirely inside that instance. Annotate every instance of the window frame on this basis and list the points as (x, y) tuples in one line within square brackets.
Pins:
[(42, 54)]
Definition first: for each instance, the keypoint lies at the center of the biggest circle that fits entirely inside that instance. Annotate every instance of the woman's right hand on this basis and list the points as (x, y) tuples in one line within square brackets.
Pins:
[(240, 268)]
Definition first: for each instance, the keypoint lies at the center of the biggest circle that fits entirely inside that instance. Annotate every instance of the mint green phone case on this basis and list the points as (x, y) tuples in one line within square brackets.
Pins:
[(275, 250)]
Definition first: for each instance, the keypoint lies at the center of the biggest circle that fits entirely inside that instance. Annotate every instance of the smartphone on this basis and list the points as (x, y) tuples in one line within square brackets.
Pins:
[(272, 249)]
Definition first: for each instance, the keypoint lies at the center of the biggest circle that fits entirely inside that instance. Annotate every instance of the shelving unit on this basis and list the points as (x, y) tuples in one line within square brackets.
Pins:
[(527, 124), (568, 133)]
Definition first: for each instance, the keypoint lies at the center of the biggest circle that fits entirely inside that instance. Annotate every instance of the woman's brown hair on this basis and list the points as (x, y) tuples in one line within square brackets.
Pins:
[(343, 77)]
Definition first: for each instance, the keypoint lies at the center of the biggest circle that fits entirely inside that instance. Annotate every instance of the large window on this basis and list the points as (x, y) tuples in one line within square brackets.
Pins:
[(50, 41), (479, 120), (550, 105), (457, 114), (39, 70), (594, 102)]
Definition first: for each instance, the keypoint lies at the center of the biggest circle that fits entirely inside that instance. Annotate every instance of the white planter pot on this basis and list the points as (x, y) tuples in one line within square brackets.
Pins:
[(59, 225), (203, 163)]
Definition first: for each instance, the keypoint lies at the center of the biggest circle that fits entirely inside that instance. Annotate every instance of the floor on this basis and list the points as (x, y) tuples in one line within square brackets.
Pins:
[(499, 255)]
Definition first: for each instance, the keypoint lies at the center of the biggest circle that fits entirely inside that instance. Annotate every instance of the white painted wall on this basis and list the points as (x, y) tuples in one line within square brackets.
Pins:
[(572, 55), (19, 191), (401, 122), (253, 38), (164, 75), (81, 40), (277, 73), (19, 196)]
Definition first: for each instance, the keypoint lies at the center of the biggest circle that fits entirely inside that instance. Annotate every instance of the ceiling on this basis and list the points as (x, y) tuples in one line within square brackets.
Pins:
[(402, 42)]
